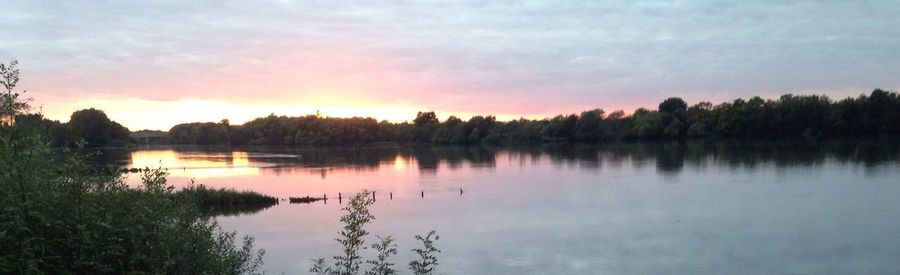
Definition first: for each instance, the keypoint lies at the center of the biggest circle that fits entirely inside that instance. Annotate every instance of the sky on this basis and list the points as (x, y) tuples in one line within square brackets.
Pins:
[(153, 64)]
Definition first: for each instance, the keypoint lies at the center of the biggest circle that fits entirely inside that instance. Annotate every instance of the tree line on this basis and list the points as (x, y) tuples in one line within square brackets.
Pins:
[(88, 127), (789, 116)]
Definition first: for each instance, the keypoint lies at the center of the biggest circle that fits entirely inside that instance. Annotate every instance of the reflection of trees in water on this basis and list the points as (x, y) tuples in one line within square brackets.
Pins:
[(673, 156), (429, 158), (322, 172), (668, 157), (236, 210), (783, 155), (117, 156)]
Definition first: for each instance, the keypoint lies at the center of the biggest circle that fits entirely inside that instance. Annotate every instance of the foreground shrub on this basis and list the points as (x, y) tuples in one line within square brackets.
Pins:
[(59, 215), (353, 238)]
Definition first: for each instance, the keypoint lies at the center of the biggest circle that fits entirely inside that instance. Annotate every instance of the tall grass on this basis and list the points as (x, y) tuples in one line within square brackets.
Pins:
[(206, 196), (306, 199), (225, 201)]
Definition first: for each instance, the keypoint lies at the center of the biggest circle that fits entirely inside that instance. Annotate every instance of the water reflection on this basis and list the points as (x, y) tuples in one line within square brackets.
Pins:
[(624, 208), (201, 164), (236, 210), (669, 158)]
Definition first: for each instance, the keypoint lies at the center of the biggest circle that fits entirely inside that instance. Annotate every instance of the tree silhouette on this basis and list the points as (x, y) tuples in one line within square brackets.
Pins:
[(95, 128)]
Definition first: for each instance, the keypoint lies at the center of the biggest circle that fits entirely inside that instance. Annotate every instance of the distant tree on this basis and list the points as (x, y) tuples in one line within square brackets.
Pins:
[(672, 105), (449, 132), (809, 116), (425, 126), (425, 118), (673, 113), (95, 128), (560, 128), (647, 124), (614, 125), (588, 126), (36, 124), (699, 118), (478, 127)]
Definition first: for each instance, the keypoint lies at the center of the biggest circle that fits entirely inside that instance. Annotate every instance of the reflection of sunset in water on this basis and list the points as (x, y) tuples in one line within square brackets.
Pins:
[(486, 200), (196, 165), (400, 163), (283, 174), (154, 158)]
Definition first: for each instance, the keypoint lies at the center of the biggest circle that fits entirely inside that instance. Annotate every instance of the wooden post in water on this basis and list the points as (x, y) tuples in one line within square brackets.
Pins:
[(423, 193), (339, 198), (325, 198), (392, 195), (373, 196)]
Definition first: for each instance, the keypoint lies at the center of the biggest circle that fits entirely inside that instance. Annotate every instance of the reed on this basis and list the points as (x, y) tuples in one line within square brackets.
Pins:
[(206, 196), (306, 199)]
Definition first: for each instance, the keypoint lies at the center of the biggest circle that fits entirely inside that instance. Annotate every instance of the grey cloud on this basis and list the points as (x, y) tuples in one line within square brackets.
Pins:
[(573, 54)]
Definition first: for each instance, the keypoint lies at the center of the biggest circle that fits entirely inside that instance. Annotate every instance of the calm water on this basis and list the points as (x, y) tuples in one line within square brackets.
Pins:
[(694, 208)]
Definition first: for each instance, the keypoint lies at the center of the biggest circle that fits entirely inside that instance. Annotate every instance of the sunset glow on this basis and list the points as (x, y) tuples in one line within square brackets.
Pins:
[(160, 115), (180, 62), (140, 114), (492, 137)]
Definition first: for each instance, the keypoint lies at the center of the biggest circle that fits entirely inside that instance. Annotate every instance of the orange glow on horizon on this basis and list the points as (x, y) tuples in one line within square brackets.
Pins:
[(139, 114), (329, 83)]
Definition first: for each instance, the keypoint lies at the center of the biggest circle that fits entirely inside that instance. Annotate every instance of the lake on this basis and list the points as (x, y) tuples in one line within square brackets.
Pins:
[(624, 208)]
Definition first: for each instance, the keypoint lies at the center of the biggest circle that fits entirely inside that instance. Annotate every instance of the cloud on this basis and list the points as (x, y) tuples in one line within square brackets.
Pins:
[(470, 56)]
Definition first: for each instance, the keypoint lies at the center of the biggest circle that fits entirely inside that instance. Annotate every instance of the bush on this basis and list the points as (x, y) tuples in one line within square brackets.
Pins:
[(60, 215)]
